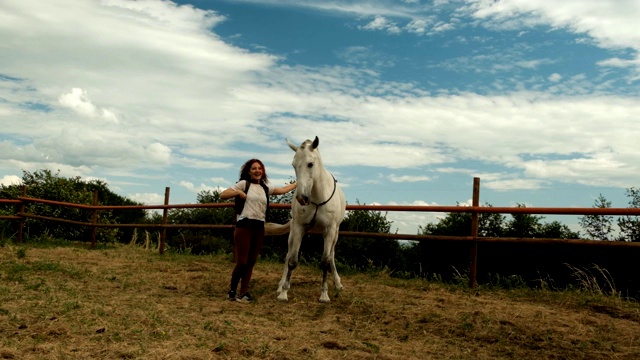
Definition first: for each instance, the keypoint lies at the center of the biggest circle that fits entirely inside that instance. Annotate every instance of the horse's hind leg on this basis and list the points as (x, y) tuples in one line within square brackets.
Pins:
[(290, 263), (332, 259), (336, 278)]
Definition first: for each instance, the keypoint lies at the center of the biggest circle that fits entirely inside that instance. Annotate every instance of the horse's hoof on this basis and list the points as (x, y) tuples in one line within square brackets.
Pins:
[(324, 298), (283, 297)]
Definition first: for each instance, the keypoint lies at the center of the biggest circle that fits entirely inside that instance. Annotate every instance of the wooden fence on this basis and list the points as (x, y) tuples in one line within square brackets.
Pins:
[(473, 239)]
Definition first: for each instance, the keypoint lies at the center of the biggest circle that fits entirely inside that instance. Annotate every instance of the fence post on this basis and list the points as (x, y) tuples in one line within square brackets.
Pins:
[(165, 216), (474, 234), (94, 220), (21, 211)]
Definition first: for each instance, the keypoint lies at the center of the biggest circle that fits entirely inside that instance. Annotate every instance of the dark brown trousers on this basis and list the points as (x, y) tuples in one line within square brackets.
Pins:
[(248, 239)]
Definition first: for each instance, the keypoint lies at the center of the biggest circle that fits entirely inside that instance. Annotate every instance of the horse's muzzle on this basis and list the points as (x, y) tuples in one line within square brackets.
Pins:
[(303, 200)]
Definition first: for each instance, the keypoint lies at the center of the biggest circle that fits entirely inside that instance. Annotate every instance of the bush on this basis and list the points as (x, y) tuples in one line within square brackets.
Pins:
[(45, 185)]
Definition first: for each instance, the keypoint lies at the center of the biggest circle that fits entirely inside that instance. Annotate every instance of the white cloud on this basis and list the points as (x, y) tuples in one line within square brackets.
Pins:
[(514, 184), (442, 27), (198, 189), (624, 63), (218, 180), (418, 26), (555, 77), (147, 198), (408, 178), (78, 101), (601, 169), (532, 64), (8, 180), (405, 222), (593, 18), (158, 153), (170, 91), (382, 23)]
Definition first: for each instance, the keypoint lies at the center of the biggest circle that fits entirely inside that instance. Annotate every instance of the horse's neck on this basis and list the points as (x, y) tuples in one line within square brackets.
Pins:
[(323, 186)]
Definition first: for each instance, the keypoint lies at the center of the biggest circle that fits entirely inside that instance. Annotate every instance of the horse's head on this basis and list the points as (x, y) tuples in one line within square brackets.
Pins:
[(307, 164)]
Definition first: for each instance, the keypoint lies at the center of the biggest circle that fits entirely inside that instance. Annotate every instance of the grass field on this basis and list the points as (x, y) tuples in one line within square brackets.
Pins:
[(125, 302)]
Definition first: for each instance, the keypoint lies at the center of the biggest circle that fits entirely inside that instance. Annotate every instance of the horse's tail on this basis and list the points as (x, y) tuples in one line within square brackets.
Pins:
[(277, 229)]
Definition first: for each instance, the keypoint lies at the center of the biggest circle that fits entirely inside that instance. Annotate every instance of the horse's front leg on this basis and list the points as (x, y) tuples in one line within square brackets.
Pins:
[(324, 288), (290, 262), (328, 263)]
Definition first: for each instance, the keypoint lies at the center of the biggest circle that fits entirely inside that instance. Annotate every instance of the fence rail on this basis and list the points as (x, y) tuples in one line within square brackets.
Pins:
[(473, 239), (10, 201)]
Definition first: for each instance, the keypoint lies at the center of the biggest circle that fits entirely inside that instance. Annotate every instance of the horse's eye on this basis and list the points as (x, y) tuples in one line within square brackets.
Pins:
[(310, 165)]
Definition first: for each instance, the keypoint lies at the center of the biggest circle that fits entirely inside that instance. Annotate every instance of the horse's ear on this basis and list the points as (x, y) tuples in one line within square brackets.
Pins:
[(315, 144), (293, 146)]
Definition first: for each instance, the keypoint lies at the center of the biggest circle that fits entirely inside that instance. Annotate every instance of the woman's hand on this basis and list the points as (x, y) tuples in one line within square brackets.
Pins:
[(285, 189)]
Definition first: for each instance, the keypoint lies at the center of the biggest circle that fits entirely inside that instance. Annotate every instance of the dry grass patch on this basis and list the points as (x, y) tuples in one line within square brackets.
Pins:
[(130, 303)]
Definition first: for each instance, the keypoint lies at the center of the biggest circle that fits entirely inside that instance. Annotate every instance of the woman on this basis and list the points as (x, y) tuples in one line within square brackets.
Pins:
[(253, 190)]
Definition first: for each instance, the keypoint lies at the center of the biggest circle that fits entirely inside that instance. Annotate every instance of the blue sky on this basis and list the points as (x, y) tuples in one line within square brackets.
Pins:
[(410, 99)]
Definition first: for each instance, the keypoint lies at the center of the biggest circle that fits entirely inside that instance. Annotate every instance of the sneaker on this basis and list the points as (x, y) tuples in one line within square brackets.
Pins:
[(246, 298), (232, 295)]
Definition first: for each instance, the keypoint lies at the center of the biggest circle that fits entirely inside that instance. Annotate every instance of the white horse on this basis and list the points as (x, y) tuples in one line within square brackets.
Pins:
[(320, 205)]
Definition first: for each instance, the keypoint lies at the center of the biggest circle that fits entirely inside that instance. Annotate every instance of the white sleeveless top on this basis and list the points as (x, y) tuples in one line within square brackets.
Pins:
[(255, 206)]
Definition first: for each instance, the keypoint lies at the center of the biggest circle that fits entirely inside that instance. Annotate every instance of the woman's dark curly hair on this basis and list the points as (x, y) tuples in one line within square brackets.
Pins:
[(244, 170)]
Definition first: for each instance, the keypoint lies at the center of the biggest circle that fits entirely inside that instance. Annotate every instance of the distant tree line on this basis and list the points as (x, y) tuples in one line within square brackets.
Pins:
[(402, 258)]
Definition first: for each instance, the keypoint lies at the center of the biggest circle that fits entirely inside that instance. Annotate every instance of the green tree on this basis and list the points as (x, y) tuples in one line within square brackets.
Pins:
[(366, 252), (598, 227), (459, 224), (496, 225), (202, 240), (490, 224), (43, 184), (556, 230), (523, 225), (453, 224), (630, 225)]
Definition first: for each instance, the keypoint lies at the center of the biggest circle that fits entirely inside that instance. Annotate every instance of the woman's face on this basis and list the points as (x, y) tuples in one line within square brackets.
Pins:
[(256, 171)]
